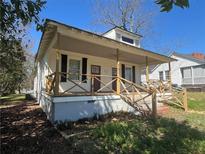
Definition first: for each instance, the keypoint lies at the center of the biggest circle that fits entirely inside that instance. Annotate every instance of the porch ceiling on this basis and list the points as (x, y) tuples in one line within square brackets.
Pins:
[(100, 50)]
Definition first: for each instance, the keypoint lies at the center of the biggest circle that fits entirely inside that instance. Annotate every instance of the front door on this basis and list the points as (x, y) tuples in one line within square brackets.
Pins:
[(114, 74), (95, 69)]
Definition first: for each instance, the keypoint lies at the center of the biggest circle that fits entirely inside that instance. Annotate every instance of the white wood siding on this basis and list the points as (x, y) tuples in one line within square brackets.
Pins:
[(49, 66), (175, 70)]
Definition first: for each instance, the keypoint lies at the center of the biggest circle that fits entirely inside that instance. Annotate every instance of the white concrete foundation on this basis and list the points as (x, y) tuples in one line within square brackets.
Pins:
[(73, 108)]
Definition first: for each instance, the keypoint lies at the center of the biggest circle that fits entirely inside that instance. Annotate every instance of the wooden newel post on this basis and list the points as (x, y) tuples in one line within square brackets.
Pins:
[(92, 85), (154, 104), (57, 77), (170, 76), (147, 70), (185, 99), (118, 73)]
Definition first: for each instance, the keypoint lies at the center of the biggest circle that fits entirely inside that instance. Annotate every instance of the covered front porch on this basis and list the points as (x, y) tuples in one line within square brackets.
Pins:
[(90, 66), (111, 66)]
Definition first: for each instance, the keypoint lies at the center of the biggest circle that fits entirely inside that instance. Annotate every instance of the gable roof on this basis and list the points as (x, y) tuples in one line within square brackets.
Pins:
[(100, 39), (189, 57), (117, 27), (186, 56)]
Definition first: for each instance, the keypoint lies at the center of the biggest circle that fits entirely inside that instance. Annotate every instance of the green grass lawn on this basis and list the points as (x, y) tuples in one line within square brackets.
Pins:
[(149, 136), (196, 101), (175, 132), (10, 100), (119, 134)]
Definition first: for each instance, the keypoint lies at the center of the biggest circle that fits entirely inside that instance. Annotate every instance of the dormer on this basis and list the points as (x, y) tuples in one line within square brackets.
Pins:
[(124, 36)]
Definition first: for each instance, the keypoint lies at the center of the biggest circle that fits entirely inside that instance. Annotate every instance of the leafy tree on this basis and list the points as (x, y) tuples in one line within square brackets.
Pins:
[(11, 66), (14, 16), (167, 5), (15, 13)]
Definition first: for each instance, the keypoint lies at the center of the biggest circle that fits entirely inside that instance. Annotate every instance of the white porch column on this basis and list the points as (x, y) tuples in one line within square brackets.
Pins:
[(170, 75), (118, 73), (192, 75)]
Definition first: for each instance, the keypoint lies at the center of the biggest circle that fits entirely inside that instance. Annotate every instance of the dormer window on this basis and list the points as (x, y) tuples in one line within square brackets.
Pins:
[(128, 40), (124, 36)]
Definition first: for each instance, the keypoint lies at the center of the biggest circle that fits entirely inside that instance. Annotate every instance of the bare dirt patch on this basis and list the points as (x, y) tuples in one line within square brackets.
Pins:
[(25, 129)]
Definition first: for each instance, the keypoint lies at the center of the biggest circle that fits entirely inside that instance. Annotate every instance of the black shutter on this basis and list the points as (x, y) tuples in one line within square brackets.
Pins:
[(123, 70), (133, 74), (63, 67), (84, 69)]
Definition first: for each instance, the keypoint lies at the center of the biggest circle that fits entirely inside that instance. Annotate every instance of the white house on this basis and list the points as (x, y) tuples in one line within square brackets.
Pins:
[(188, 71), (80, 74)]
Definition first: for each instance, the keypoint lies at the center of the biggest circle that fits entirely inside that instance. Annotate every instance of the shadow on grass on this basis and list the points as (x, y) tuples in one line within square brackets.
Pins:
[(142, 135), (25, 129)]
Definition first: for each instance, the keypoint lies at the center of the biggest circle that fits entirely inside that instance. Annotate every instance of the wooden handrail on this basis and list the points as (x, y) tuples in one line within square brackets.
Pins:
[(89, 75), (137, 86), (94, 76)]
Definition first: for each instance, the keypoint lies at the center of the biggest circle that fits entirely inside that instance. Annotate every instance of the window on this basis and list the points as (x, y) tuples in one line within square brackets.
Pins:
[(186, 72), (74, 69), (128, 40), (128, 73), (167, 75), (199, 71), (161, 75)]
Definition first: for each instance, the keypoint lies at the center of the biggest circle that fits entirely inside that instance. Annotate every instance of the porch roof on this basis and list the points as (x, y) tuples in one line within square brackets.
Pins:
[(64, 37)]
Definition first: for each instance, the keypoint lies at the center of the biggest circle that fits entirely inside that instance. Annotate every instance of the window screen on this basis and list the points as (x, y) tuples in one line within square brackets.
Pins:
[(166, 75), (199, 71), (128, 73), (74, 69), (186, 72)]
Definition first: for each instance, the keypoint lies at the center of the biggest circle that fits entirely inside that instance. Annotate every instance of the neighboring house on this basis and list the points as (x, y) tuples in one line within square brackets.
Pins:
[(188, 71), (80, 74)]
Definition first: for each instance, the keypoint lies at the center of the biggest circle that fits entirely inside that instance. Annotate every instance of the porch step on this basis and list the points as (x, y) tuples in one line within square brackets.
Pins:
[(145, 105), (163, 109)]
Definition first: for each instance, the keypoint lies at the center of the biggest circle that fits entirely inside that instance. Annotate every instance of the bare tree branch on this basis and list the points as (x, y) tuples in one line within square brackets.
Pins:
[(127, 14)]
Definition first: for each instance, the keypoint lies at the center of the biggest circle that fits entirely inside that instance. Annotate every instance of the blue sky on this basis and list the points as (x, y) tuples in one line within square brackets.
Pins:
[(181, 30)]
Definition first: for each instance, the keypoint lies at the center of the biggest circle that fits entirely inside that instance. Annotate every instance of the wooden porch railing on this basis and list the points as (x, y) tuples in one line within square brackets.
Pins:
[(126, 85), (130, 92), (177, 97), (50, 82), (134, 94)]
